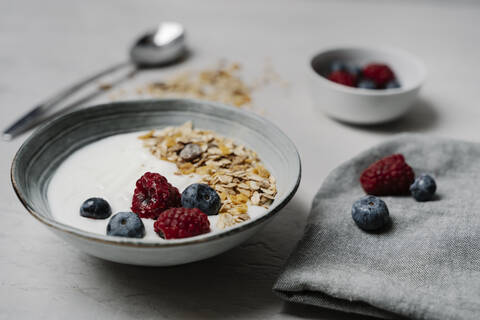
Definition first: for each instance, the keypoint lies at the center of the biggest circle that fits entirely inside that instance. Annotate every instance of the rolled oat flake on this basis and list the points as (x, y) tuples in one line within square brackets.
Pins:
[(190, 152)]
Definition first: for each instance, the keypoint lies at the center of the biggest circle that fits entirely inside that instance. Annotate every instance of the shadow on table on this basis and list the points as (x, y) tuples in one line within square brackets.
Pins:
[(421, 118), (312, 312), (235, 284)]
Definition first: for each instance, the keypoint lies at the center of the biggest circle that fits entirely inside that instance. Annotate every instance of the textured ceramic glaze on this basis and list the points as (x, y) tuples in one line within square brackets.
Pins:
[(42, 153)]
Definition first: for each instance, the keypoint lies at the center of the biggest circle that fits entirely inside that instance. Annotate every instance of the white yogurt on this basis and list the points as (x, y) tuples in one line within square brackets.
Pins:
[(109, 169)]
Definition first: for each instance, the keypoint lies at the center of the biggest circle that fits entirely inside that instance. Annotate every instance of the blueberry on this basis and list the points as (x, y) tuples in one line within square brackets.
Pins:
[(201, 196), (354, 70), (370, 213), (95, 208), (366, 84), (126, 224), (337, 66), (392, 84), (423, 188)]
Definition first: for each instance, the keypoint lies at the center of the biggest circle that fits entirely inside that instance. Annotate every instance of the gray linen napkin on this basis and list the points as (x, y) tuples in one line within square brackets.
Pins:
[(426, 266)]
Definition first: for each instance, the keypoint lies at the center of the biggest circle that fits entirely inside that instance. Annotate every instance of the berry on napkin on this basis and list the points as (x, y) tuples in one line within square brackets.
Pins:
[(388, 176)]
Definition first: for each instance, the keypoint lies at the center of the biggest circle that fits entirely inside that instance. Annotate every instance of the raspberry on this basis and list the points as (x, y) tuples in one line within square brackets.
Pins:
[(153, 194), (342, 77), (388, 176), (380, 73), (178, 223)]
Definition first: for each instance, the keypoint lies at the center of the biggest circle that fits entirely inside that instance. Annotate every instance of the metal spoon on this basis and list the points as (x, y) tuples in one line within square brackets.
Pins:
[(164, 45)]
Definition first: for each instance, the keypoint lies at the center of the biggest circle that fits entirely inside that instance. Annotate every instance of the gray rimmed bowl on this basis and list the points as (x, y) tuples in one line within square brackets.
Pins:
[(37, 159)]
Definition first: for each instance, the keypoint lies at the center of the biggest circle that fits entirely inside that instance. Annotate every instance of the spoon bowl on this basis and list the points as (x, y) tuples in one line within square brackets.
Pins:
[(161, 46)]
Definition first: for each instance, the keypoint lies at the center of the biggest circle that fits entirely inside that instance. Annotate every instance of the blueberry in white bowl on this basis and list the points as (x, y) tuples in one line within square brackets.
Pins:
[(126, 224), (354, 70), (95, 208), (392, 84), (203, 197), (366, 84), (337, 66)]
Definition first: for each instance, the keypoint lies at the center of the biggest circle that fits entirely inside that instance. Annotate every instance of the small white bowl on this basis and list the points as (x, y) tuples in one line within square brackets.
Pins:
[(365, 106)]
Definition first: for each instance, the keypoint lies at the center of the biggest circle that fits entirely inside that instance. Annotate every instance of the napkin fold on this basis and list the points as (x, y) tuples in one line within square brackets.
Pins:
[(425, 266)]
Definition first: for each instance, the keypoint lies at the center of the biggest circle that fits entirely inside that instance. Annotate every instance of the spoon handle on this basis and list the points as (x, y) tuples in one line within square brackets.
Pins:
[(31, 118)]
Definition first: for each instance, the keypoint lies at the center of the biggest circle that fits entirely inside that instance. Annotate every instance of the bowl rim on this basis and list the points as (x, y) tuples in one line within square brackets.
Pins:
[(133, 242), (369, 92)]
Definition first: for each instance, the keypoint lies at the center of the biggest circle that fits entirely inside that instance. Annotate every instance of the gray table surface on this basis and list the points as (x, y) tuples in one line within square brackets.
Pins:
[(47, 44)]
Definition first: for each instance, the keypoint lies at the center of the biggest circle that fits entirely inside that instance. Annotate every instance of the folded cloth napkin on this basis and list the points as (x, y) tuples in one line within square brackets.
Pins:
[(426, 266)]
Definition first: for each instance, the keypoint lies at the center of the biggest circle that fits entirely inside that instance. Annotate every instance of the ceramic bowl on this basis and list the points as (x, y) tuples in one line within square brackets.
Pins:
[(364, 106), (37, 159)]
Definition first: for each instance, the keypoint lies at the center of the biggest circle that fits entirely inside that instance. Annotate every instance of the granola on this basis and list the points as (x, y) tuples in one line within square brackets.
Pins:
[(233, 170), (220, 84)]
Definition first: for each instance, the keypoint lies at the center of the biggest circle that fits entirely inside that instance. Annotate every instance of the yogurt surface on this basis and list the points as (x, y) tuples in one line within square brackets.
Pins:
[(109, 169)]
